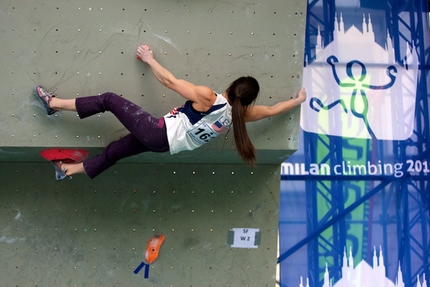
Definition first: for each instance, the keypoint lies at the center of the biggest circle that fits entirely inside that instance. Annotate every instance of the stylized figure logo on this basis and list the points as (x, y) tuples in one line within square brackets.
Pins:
[(359, 105), (360, 93)]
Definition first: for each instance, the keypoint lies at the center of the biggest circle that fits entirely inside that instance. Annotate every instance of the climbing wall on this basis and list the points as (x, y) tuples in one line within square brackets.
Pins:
[(94, 233), (219, 217)]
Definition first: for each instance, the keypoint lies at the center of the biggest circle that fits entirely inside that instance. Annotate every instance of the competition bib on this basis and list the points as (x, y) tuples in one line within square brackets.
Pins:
[(202, 133)]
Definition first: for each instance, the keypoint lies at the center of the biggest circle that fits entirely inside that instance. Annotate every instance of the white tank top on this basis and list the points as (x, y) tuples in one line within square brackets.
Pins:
[(188, 129)]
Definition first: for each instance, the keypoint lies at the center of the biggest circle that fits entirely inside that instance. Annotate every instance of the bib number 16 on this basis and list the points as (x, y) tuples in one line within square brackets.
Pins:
[(202, 133)]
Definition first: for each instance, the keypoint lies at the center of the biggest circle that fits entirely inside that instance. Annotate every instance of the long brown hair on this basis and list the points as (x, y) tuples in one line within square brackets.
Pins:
[(242, 93)]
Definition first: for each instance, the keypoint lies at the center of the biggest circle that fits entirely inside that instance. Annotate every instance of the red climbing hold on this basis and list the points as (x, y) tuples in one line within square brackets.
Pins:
[(65, 155)]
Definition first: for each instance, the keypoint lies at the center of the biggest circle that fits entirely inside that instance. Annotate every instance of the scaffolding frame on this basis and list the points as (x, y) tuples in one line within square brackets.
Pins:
[(405, 23)]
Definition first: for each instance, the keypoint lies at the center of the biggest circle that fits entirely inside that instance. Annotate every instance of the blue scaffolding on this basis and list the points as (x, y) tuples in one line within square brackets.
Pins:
[(406, 22)]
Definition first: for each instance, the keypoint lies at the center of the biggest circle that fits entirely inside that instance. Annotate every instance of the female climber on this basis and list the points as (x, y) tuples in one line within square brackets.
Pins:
[(204, 115)]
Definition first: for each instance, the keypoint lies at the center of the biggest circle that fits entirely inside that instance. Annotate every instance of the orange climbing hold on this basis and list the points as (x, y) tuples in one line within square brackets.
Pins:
[(154, 245)]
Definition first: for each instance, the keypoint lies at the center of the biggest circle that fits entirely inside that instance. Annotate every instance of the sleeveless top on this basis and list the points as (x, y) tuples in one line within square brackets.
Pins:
[(188, 129)]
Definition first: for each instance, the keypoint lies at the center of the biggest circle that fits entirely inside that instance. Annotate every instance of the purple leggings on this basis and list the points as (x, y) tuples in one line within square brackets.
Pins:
[(147, 133)]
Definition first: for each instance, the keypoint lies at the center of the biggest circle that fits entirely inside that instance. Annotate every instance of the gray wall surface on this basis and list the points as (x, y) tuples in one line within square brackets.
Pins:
[(84, 232), (86, 48)]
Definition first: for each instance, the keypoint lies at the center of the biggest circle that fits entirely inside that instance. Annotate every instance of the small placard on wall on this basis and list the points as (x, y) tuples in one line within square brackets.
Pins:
[(244, 237)]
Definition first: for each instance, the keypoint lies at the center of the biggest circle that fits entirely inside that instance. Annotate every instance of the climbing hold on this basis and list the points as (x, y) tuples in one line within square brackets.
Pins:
[(154, 245), (65, 155)]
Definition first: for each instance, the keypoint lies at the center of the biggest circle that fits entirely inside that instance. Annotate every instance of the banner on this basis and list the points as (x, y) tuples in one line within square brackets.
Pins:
[(355, 197), (355, 87)]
